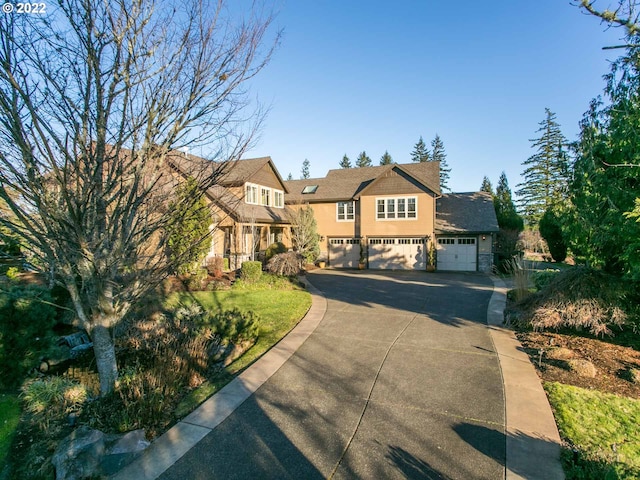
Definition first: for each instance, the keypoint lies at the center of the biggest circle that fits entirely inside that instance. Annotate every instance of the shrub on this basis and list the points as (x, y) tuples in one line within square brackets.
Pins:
[(52, 397), (287, 264), (13, 273), (215, 266), (196, 280), (274, 249), (236, 326), (551, 231), (26, 321), (579, 298), (251, 271), (542, 278)]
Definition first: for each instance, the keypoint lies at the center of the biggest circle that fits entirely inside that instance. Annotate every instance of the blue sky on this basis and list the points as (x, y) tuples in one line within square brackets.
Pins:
[(354, 75)]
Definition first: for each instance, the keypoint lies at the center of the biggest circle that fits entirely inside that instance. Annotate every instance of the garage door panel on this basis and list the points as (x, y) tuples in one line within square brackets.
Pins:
[(457, 253), (344, 252), (397, 253)]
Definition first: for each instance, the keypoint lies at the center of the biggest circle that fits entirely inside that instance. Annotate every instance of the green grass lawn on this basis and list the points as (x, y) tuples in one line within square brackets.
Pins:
[(603, 429), (279, 311), (9, 417)]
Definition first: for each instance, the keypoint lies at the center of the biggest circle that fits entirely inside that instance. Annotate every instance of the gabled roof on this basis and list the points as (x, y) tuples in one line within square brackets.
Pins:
[(237, 172), (460, 213), (348, 183)]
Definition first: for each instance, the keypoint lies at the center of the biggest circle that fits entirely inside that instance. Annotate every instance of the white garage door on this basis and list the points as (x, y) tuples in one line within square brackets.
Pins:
[(457, 253), (397, 253), (344, 252)]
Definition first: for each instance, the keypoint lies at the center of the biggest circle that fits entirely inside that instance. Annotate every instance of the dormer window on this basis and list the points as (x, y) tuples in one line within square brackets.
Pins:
[(260, 195)]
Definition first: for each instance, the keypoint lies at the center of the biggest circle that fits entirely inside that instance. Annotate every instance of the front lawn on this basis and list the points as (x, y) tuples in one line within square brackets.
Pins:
[(602, 432), (279, 310), (9, 417)]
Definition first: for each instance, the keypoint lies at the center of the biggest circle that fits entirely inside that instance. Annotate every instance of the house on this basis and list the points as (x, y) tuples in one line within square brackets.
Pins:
[(388, 216), (247, 204)]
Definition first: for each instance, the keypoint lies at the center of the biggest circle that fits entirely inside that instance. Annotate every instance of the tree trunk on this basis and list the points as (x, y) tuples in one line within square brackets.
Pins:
[(104, 350)]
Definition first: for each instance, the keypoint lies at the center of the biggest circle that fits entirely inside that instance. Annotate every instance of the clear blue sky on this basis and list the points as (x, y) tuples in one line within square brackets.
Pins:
[(376, 75)]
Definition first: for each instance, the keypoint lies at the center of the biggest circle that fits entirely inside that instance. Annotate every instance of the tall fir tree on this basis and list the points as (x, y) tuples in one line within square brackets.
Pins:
[(290, 176), (363, 160), (386, 159), (506, 212), (546, 176), (345, 163), (305, 169), (438, 155), (420, 152), (486, 186)]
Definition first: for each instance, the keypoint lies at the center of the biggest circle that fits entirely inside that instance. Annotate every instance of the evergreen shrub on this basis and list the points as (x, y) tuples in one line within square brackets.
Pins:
[(274, 249), (251, 271)]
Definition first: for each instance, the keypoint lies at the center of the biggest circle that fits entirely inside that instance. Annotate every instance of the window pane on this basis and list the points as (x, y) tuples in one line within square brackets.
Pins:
[(401, 208), (380, 208), (350, 214), (391, 208), (411, 208), (340, 210)]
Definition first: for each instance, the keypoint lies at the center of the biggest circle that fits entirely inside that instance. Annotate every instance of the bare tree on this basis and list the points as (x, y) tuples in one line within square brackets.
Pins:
[(95, 98), (624, 13)]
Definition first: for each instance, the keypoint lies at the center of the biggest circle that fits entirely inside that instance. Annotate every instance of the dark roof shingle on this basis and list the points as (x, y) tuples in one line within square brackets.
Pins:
[(465, 213)]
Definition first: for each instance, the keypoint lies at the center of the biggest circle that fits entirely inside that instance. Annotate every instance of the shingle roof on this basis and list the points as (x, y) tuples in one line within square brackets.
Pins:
[(347, 183), (465, 213)]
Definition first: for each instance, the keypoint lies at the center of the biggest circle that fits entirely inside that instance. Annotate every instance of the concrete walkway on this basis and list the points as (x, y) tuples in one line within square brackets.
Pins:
[(399, 377)]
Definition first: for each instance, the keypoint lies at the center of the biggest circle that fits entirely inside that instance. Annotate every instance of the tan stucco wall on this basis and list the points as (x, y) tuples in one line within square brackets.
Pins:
[(421, 226)]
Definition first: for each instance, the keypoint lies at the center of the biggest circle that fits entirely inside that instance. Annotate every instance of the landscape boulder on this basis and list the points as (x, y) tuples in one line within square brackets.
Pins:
[(88, 453)]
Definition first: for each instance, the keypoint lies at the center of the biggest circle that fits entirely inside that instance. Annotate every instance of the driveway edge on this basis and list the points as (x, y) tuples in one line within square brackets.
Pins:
[(533, 443), (178, 440)]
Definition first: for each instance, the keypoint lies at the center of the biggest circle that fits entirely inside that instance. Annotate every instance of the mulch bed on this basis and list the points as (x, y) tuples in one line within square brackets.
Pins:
[(613, 363)]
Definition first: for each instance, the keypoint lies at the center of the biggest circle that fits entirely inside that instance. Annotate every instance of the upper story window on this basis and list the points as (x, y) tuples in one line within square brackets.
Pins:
[(399, 208), (259, 195), (345, 211)]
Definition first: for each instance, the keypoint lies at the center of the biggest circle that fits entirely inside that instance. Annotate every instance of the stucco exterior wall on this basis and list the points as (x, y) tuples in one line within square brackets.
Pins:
[(422, 225)]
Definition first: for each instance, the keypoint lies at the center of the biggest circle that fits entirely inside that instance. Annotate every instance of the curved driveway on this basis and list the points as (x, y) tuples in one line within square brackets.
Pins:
[(399, 380)]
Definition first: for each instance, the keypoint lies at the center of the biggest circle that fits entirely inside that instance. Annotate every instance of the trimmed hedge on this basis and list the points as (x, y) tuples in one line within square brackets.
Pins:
[(251, 271)]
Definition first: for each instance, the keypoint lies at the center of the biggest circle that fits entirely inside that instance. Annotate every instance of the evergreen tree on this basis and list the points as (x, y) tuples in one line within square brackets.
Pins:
[(547, 172), (506, 212), (363, 160), (551, 231), (305, 169), (290, 176), (345, 163), (420, 152), (486, 185), (438, 155), (386, 159)]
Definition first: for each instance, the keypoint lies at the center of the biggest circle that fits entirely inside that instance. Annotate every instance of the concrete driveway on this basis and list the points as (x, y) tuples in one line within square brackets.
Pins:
[(399, 380)]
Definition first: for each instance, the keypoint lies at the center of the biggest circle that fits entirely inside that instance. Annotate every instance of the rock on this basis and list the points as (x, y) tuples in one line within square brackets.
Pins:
[(582, 367), (78, 455), (88, 453), (560, 353)]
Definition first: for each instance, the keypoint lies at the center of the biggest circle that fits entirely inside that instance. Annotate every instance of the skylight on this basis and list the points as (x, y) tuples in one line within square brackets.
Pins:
[(310, 189)]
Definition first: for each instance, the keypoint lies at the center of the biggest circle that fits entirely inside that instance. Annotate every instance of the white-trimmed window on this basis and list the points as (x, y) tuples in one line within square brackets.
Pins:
[(345, 211), (265, 196), (251, 193), (402, 208), (278, 198)]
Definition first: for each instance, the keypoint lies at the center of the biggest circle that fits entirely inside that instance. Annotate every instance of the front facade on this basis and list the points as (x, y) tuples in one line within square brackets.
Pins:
[(382, 217)]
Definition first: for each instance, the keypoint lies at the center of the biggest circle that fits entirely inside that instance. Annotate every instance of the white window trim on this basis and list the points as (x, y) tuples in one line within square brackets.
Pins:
[(395, 209), (256, 192), (346, 208)]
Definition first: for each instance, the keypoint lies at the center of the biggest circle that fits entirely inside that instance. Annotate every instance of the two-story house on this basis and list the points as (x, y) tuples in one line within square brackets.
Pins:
[(388, 216), (247, 204)]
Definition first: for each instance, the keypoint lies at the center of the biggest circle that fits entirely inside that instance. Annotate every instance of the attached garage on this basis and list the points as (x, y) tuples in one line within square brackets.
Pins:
[(344, 252), (398, 253), (458, 253)]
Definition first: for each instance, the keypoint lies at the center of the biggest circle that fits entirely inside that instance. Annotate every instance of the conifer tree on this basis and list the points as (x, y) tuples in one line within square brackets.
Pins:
[(547, 172), (290, 176), (506, 212), (363, 160), (438, 155), (345, 163), (305, 169), (420, 152), (386, 159), (486, 186)]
